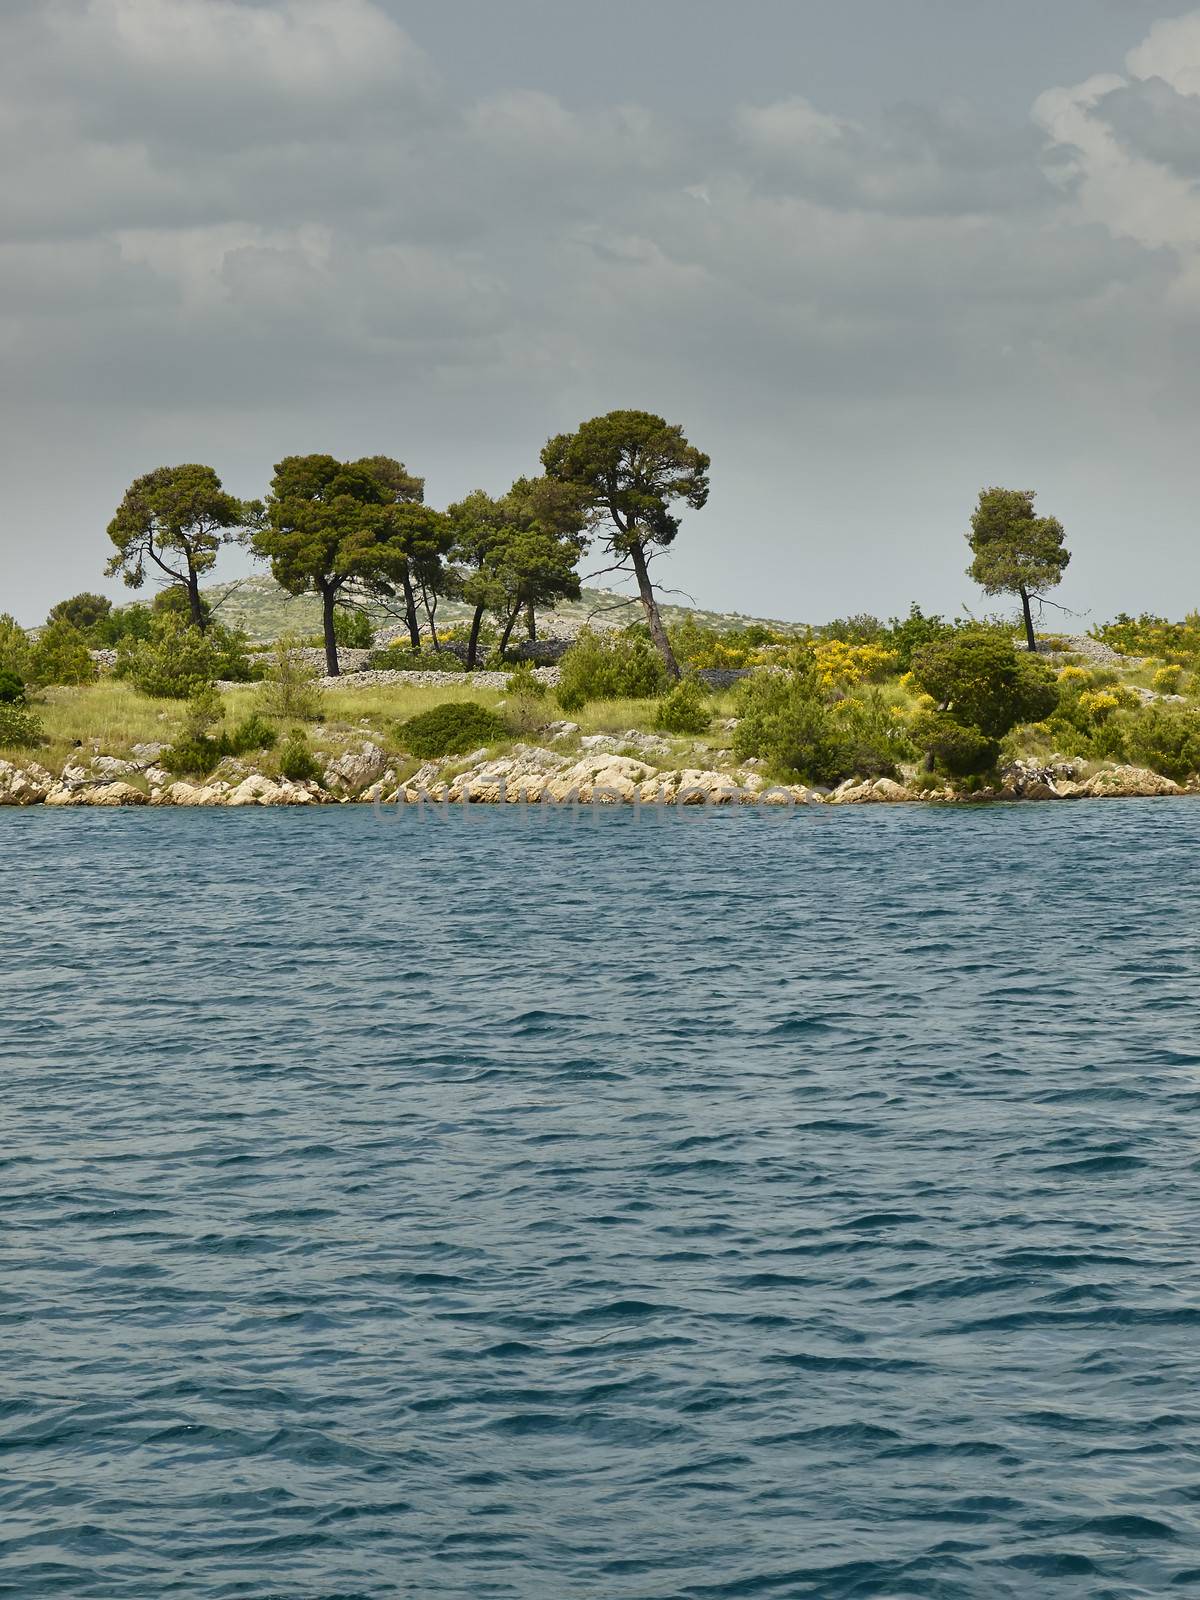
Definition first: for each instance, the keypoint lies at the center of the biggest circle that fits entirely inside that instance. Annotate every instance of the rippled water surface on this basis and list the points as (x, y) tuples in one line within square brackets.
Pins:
[(706, 1207)]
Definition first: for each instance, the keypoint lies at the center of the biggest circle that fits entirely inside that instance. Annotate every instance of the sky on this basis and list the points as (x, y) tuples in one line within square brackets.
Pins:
[(873, 255)]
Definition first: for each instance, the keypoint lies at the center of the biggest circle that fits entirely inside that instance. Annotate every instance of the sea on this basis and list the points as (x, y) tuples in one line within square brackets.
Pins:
[(694, 1205)]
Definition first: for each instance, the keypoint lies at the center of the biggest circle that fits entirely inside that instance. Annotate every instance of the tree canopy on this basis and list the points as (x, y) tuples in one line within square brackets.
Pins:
[(629, 468), (518, 551), (82, 611), (176, 519), (323, 524), (1015, 550), (983, 682)]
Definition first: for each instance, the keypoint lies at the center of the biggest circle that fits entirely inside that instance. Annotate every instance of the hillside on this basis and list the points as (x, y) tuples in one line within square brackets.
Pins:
[(266, 611)]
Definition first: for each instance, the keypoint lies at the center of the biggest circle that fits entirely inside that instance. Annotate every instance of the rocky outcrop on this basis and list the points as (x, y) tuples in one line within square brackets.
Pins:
[(355, 769), (1130, 783), (877, 791), (24, 786)]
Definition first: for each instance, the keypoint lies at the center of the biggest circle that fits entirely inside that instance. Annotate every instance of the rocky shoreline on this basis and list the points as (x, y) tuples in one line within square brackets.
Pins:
[(533, 775)]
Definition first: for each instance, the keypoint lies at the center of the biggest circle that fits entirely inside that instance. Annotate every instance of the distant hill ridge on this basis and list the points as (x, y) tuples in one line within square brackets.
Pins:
[(265, 611)]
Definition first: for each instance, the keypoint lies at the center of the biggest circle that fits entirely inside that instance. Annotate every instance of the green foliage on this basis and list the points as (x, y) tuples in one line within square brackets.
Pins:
[(684, 709), (12, 688), (699, 647), (296, 761), (450, 729), (14, 646), (175, 520), (290, 690), (984, 683), (129, 622), (609, 667), (859, 629), (959, 751), (82, 611), (904, 637), (19, 728), (352, 630), (628, 468), (1015, 551), (173, 663), (786, 719), (174, 601), (199, 751), (205, 709), (397, 657), (1166, 739), (60, 655), (1177, 642), (523, 684)]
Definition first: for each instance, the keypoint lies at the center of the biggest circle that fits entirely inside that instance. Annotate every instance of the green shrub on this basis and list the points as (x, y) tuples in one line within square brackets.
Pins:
[(984, 682), (12, 688), (130, 622), (174, 601), (684, 709), (172, 664), (60, 655), (14, 646), (609, 667), (19, 729), (296, 760), (398, 657), (199, 752), (352, 630), (289, 688), (786, 720), (523, 683), (1166, 739), (959, 751), (82, 611), (450, 729)]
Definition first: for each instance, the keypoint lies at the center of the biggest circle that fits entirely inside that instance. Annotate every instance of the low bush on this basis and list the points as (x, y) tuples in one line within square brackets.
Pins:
[(684, 709), (786, 720), (199, 751), (523, 683), (296, 761), (451, 729), (289, 688), (14, 646), (1167, 679), (1166, 739), (398, 657), (19, 728), (609, 667), (12, 688), (82, 611), (60, 655), (960, 752), (178, 659)]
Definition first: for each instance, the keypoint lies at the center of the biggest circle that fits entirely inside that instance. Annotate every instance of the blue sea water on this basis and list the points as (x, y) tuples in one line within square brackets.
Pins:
[(702, 1207)]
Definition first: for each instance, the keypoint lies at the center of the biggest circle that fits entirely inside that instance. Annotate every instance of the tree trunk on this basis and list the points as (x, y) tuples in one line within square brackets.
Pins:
[(410, 613), (430, 611), (531, 620), (508, 628), (1030, 637), (195, 604), (473, 641), (650, 605), (328, 596)]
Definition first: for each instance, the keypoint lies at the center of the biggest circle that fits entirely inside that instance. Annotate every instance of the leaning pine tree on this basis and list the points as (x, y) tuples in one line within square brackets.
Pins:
[(1016, 551), (629, 466)]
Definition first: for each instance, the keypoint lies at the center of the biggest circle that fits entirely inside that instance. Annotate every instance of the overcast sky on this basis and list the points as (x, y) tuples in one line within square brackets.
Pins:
[(872, 254)]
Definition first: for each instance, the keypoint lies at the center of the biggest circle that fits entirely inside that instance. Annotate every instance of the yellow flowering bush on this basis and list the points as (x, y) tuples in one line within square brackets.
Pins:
[(1167, 679), (1099, 704), (843, 665), (1075, 676)]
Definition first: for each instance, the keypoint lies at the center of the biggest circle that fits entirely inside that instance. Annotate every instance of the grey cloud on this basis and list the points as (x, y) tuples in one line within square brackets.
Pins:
[(222, 220)]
